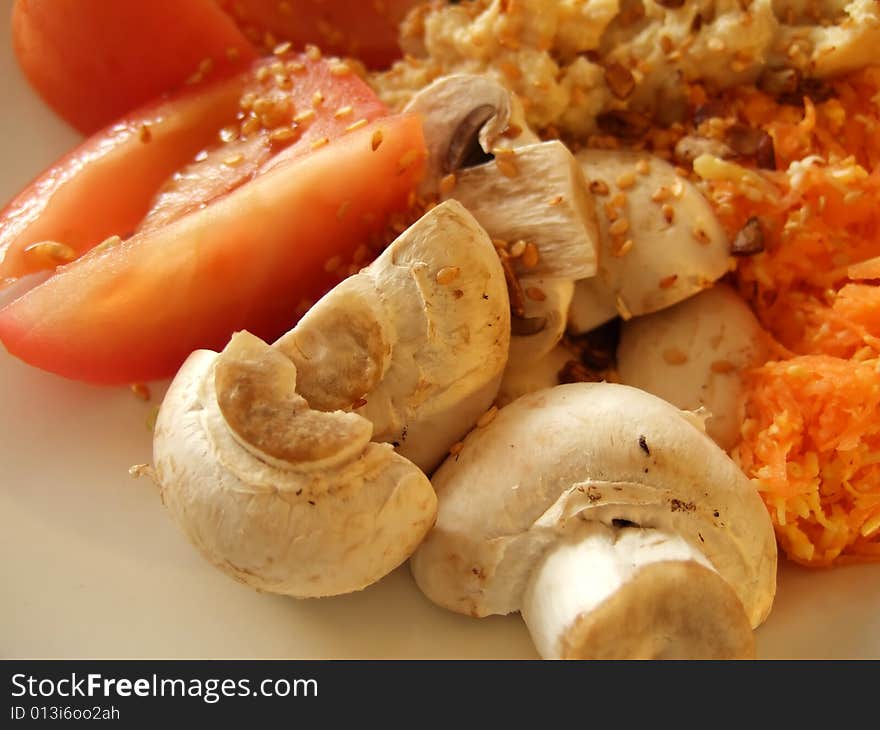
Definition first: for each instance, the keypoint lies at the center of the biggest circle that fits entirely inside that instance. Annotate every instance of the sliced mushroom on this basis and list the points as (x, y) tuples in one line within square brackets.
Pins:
[(610, 520), (546, 302), (267, 456), (661, 242), (465, 117), (692, 355), (536, 194), (423, 343)]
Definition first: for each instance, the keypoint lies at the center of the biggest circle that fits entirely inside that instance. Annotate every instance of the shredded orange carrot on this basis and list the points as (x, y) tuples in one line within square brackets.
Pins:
[(811, 438)]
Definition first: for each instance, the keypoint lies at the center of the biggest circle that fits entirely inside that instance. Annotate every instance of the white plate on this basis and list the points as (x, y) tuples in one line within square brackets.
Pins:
[(92, 567)]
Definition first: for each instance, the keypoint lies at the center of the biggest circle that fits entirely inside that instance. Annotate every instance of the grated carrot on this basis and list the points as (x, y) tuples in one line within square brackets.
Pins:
[(811, 437)]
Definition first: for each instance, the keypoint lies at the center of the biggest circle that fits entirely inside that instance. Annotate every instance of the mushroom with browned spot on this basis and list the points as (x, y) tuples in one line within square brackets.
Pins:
[(610, 520)]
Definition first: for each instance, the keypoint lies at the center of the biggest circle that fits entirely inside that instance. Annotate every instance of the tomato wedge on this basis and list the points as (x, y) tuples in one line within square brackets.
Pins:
[(94, 60), (118, 180), (134, 311), (365, 29)]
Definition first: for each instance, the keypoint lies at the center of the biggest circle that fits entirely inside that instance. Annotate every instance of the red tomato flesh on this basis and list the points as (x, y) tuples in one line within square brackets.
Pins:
[(94, 60), (109, 185), (249, 260)]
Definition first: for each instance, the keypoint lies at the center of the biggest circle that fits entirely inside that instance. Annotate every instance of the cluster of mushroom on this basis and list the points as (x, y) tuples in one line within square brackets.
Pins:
[(604, 514)]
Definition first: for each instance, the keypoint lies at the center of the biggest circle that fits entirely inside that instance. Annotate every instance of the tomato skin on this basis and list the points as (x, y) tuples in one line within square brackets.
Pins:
[(94, 60), (135, 311), (365, 29)]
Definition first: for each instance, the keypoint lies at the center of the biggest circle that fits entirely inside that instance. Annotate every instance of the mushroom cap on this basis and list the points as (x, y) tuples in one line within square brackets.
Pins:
[(296, 531), (719, 336), (422, 335), (587, 451), (676, 251)]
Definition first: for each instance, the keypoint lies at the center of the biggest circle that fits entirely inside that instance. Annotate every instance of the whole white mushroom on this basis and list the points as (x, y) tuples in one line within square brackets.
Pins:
[(610, 520)]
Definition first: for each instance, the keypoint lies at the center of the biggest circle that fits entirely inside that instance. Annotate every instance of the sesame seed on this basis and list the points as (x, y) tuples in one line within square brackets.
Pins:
[(282, 48), (313, 53), (643, 167), (263, 73), (507, 167), (447, 184), (407, 159), (250, 126), (623, 249), (619, 200), (376, 140), (599, 187), (535, 294), (456, 448), (678, 188), (674, 356), (622, 309), (141, 391), (487, 417), (201, 156), (661, 194), (668, 281), (359, 403), (317, 98), (320, 142), (668, 213), (530, 256), (626, 180), (512, 131), (517, 249), (304, 116), (295, 67), (340, 69), (283, 82), (144, 134), (716, 44), (356, 125), (50, 252), (611, 212), (343, 111), (619, 227), (233, 160), (701, 236), (447, 275), (555, 200)]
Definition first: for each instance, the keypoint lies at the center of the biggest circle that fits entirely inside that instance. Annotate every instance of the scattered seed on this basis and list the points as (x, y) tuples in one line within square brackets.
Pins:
[(317, 98), (514, 288), (623, 249), (661, 194), (407, 160), (376, 140), (517, 249), (313, 53), (50, 253), (456, 448), (668, 281), (487, 417), (283, 135), (320, 142), (141, 391), (282, 48), (233, 160), (447, 275), (643, 167), (626, 180), (535, 294), (668, 213), (144, 134), (619, 227), (555, 200), (599, 187), (620, 80), (674, 356), (530, 256), (619, 200), (343, 111), (611, 212), (447, 184), (507, 167), (304, 116), (701, 236)]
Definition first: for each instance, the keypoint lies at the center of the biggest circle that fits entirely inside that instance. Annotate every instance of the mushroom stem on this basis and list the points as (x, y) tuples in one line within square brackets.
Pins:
[(606, 593)]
